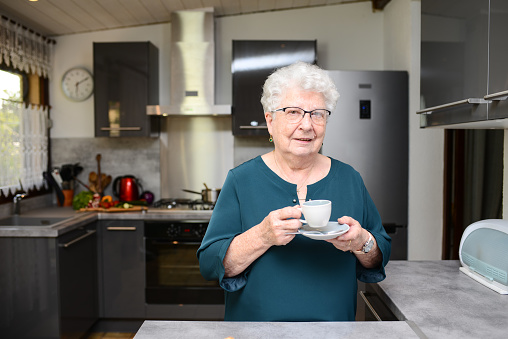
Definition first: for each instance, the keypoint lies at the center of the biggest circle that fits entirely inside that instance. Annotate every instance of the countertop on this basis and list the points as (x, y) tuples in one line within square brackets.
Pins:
[(442, 301), (280, 330), (432, 298), (76, 219)]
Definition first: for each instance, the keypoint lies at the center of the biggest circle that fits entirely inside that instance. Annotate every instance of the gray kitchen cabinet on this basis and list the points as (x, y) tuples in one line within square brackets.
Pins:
[(498, 55), (463, 63), (126, 80), (253, 61), (48, 286), (370, 306), (122, 269), (454, 47)]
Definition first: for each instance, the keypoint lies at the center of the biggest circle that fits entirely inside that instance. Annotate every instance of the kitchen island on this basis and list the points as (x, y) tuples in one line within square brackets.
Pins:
[(433, 299), (279, 330)]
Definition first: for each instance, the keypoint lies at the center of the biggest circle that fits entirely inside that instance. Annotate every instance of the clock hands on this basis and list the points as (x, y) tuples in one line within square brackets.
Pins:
[(79, 82), (85, 79)]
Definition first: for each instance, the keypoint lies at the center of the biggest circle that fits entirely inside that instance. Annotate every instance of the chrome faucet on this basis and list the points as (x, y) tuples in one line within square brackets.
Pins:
[(17, 198)]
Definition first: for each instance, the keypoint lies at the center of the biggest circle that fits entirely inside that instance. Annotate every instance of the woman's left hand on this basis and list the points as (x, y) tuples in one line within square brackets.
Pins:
[(352, 240)]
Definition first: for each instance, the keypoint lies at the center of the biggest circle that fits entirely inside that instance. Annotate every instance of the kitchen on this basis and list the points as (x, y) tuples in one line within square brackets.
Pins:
[(354, 37)]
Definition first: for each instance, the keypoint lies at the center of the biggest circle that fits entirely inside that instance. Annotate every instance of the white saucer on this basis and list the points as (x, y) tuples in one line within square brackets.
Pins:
[(330, 231)]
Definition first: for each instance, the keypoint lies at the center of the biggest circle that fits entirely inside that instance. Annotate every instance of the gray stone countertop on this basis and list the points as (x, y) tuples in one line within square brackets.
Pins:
[(442, 301), (153, 329), (74, 219), (432, 298)]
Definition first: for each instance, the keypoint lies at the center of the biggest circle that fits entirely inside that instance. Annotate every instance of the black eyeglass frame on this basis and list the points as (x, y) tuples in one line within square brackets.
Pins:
[(283, 109)]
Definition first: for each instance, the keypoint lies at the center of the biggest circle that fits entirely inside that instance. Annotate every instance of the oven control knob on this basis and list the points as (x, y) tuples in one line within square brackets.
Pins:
[(200, 230), (173, 230)]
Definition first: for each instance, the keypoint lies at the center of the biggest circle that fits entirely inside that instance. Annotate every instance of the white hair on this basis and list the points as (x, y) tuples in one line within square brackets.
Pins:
[(298, 75)]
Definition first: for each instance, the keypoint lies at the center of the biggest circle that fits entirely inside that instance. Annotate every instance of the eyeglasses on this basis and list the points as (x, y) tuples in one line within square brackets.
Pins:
[(296, 114)]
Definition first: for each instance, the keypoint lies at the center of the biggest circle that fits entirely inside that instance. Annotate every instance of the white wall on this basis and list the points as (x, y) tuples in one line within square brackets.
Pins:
[(426, 146), (350, 37)]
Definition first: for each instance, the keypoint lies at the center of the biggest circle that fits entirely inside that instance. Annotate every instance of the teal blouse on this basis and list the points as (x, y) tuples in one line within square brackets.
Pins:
[(305, 280)]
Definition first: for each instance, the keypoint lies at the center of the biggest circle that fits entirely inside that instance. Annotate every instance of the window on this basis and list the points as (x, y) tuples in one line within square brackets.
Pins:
[(23, 137)]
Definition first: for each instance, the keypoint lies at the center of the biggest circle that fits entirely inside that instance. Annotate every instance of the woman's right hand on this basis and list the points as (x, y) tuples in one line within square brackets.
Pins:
[(253, 243), (275, 227)]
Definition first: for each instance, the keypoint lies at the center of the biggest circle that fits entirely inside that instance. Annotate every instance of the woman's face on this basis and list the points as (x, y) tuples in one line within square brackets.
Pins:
[(302, 138)]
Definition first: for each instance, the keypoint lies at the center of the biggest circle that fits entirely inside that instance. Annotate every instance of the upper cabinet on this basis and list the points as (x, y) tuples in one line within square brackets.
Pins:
[(126, 76), (463, 53), (498, 59), (253, 61)]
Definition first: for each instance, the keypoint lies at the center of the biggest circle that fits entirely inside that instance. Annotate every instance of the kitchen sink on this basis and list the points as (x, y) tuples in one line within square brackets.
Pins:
[(16, 220)]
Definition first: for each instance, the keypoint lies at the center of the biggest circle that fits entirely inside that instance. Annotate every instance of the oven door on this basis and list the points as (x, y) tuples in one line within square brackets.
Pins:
[(173, 276)]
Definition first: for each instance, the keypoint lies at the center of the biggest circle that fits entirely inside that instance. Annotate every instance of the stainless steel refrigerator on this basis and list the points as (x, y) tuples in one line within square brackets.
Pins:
[(369, 131)]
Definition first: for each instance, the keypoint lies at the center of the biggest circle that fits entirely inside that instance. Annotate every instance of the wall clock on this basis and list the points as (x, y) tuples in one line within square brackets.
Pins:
[(77, 84)]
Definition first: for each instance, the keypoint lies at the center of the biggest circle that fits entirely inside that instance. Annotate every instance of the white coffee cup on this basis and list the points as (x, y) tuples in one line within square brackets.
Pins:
[(317, 212)]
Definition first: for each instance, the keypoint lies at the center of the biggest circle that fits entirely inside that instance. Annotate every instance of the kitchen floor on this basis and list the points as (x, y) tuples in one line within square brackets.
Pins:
[(111, 335)]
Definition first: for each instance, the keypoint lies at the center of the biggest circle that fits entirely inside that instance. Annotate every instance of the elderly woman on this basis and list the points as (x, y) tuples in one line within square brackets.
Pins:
[(269, 273)]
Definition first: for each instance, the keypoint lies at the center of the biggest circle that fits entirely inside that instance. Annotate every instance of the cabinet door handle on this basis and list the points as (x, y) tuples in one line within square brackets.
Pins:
[(497, 96), (362, 294), (473, 101), (86, 235), (253, 127), (121, 228), (120, 128)]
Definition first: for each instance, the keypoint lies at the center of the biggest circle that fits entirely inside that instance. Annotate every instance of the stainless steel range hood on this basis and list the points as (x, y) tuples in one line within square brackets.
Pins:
[(192, 67)]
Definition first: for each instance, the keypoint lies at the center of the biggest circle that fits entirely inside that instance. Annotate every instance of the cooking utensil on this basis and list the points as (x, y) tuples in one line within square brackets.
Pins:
[(59, 194), (127, 188), (84, 185), (99, 178), (56, 175), (208, 195), (190, 191), (106, 181), (92, 177)]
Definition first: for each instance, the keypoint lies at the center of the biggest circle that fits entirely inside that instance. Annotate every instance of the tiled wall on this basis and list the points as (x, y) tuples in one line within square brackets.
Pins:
[(119, 156)]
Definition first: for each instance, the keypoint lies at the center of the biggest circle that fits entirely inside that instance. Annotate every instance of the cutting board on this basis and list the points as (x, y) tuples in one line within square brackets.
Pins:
[(113, 209)]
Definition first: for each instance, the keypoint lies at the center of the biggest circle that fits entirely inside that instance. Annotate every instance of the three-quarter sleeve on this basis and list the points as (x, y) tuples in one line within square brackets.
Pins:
[(224, 225), (372, 223)]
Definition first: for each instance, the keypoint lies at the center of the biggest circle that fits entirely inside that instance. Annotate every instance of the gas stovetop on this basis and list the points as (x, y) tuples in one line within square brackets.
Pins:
[(182, 204)]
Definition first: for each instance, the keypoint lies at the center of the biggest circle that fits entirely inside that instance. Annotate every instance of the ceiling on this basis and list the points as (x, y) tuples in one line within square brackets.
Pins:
[(60, 17)]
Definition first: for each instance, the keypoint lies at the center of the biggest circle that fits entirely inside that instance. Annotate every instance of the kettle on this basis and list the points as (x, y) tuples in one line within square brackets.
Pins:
[(126, 188)]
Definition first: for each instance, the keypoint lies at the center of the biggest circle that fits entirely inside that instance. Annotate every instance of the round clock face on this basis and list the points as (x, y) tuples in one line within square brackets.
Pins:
[(77, 84)]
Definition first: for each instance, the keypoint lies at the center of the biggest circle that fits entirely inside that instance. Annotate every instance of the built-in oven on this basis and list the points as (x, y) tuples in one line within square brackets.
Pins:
[(172, 267)]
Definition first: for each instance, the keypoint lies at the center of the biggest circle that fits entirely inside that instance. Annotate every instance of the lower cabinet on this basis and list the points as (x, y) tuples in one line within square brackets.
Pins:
[(370, 306), (48, 286), (122, 269), (77, 275)]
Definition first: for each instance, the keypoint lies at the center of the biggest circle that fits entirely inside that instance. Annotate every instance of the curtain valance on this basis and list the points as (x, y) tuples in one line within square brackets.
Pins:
[(24, 49)]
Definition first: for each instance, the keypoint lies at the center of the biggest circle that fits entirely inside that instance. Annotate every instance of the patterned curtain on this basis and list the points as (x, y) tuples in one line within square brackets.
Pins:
[(23, 128), (23, 145), (25, 50)]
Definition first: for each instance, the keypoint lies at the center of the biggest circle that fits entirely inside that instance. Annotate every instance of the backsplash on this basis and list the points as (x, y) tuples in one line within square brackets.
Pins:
[(119, 156)]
